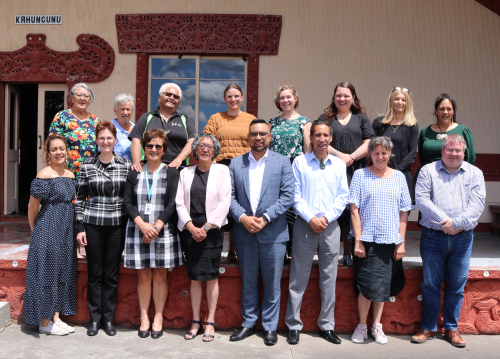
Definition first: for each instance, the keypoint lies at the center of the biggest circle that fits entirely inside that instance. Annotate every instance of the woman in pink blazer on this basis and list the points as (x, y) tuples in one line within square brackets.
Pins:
[(203, 199)]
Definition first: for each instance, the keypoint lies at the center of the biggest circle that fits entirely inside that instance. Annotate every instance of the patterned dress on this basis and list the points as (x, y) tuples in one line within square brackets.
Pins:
[(288, 136), (80, 136), (165, 250), (51, 266)]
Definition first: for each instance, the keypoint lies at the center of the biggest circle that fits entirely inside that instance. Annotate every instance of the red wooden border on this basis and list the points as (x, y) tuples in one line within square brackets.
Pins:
[(493, 5), (2, 142), (253, 85), (141, 86)]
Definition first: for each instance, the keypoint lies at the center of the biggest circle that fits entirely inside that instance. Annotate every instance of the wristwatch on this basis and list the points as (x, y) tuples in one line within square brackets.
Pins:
[(156, 229), (207, 227)]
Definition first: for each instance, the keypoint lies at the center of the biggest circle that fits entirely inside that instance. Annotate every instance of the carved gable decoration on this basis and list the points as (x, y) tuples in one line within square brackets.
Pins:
[(35, 62), (199, 34)]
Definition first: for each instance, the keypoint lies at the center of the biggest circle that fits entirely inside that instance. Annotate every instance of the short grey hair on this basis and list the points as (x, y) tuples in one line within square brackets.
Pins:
[(123, 98), (165, 86), (455, 138), (85, 87), (380, 141), (198, 139)]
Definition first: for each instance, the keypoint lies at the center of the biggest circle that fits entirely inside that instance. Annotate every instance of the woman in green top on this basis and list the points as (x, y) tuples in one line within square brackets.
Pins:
[(431, 137), (290, 137)]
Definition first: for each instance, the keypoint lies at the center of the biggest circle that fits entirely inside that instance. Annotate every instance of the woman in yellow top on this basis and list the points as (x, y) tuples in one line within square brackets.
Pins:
[(230, 128)]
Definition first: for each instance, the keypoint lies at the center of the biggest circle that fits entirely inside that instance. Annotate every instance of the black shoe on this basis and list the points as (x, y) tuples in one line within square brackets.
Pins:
[(93, 329), (143, 333), (293, 336), (156, 334), (241, 334), (109, 329), (271, 337), (330, 336)]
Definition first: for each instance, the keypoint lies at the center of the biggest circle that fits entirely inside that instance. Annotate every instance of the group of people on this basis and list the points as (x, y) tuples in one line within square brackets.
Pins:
[(285, 189)]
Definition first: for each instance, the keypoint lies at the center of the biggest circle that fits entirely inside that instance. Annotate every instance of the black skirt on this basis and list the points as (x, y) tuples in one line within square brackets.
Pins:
[(203, 258), (378, 276)]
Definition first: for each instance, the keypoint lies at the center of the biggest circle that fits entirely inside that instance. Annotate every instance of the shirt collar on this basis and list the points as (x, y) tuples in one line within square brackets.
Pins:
[(118, 127), (440, 166), (311, 157), (250, 156)]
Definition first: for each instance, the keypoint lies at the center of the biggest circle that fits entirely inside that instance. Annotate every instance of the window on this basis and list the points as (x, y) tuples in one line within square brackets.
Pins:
[(202, 80)]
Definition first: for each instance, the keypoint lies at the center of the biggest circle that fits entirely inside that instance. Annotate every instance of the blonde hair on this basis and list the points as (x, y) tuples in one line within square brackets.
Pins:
[(408, 116), (278, 93)]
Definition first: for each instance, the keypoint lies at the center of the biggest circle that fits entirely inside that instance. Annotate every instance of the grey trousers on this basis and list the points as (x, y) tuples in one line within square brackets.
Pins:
[(305, 244)]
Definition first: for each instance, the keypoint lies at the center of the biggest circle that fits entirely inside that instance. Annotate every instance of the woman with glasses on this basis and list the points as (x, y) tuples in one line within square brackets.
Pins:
[(351, 133), (123, 108), (203, 200), (230, 128), (179, 128), (152, 242), (398, 122), (431, 138), (288, 138), (100, 222), (77, 126)]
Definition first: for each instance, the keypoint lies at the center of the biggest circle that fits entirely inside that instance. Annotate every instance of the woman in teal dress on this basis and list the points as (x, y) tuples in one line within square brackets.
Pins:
[(290, 137), (430, 141)]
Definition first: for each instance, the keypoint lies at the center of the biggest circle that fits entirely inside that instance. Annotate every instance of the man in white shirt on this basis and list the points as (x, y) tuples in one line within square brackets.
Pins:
[(262, 191)]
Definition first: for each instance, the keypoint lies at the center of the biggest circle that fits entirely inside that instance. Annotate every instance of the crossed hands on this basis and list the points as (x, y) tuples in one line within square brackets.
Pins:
[(448, 227), (318, 225), (148, 231), (253, 224), (198, 234)]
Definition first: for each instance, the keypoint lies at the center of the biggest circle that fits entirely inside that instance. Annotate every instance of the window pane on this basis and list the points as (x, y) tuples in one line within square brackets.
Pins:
[(222, 69), (212, 99), (173, 68), (54, 102), (186, 104)]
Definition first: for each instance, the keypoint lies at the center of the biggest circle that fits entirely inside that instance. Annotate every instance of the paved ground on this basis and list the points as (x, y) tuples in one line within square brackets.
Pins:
[(22, 341)]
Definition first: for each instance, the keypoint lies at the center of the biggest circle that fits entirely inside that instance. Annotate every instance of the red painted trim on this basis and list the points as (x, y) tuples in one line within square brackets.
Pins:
[(141, 85), (493, 5), (253, 85), (229, 34), (92, 62), (2, 142), (489, 163)]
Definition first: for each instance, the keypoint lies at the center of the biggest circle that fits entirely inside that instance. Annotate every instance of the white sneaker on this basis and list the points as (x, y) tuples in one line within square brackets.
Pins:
[(360, 334), (65, 326), (52, 329), (378, 334)]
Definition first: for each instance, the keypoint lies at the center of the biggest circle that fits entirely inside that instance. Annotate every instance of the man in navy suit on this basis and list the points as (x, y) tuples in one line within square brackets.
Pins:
[(262, 191)]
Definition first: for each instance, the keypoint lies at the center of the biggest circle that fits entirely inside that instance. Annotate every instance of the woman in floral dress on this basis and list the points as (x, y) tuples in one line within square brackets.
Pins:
[(78, 127), (290, 137)]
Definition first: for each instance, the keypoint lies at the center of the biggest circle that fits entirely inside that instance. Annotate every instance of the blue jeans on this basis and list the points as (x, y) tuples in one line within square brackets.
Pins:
[(444, 257)]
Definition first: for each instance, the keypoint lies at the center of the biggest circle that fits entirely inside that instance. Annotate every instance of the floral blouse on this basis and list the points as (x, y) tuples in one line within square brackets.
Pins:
[(288, 136), (80, 136)]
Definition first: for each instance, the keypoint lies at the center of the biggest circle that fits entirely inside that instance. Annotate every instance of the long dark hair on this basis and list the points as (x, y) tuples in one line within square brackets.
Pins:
[(331, 111), (440, 99)]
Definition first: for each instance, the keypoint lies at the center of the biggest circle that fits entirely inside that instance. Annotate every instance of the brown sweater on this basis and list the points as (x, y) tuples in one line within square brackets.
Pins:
[(231, 131)]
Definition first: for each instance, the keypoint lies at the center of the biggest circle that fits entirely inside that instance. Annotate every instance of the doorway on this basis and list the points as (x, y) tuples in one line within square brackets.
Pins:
[(29, 113)]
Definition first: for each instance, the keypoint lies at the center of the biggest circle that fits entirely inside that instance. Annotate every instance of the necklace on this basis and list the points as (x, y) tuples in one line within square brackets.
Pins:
[(399, 124), (322, 161), (341, 121), (442, 135)]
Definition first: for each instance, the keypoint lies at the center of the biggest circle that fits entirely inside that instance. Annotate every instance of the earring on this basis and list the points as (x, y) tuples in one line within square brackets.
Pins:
[(196, 156), (213, 159)]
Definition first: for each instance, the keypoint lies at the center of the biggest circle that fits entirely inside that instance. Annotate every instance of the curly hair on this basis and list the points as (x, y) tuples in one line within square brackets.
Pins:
[(46, 148)]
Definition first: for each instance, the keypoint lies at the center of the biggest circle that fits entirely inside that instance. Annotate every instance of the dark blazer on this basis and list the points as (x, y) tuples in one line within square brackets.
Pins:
[(276, 197)]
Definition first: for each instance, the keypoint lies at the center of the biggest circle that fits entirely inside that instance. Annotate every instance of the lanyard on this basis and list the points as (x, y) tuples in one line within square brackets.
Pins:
[(155, 177)]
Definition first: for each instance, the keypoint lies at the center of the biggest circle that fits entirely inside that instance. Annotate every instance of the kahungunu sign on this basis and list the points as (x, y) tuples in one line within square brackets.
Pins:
[(38, 19)]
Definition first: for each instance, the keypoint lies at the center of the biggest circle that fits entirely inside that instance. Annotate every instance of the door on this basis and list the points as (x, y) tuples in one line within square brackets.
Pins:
[(51, 100), (12, 149)]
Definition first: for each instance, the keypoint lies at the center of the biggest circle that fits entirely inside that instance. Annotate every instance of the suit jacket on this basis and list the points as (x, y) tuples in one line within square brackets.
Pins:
[(276, 197), (218, 195)]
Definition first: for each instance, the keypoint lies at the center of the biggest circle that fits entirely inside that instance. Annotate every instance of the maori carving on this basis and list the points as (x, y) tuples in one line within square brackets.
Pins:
[(253, 85), (35, 62), (199, 33), (141, 85)]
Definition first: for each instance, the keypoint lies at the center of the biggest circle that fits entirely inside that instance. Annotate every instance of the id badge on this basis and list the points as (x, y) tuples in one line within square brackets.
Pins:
[(148, 209)]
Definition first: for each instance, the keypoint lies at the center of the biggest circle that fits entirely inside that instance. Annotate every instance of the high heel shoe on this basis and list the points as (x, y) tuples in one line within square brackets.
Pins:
[(210, 337), (191, 335)]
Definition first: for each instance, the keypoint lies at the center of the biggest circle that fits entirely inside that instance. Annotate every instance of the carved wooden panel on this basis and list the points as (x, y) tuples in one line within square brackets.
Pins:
[(253, 85), (199, 33), (141, 86), (35, 62)]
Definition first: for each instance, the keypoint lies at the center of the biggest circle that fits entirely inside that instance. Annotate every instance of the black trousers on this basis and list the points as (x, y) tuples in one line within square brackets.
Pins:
[(104, 253)]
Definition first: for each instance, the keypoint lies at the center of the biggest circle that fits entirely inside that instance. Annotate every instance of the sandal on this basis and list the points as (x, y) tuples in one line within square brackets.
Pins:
[(190, 335), (210, 337), (231, 257)]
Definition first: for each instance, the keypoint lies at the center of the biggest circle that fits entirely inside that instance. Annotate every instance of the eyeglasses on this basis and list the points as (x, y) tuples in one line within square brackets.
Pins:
[(206, 147), (261, 134), (151, 146), (450, 151), (82, 95), (169, 94), (103, 139), (397, 88)]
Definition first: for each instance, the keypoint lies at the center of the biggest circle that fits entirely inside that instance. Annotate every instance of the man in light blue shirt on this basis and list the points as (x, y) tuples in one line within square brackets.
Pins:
[(321, 194)]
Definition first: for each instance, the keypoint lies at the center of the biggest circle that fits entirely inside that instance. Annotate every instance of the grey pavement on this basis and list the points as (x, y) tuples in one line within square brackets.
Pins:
[(22, 341)]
